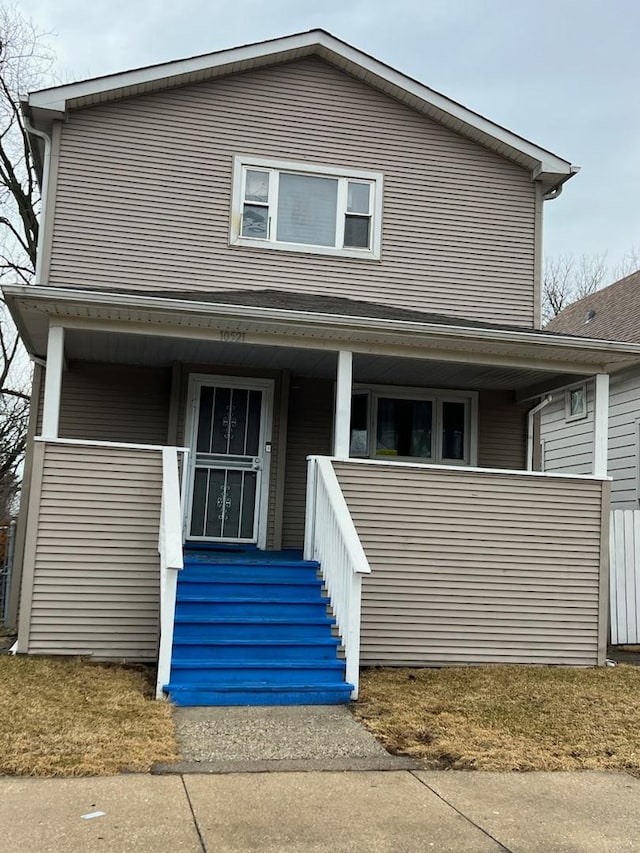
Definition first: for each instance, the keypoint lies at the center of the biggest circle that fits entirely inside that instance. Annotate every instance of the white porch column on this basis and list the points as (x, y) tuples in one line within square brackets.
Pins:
[(53, 382), (601, 425), (342, 419)]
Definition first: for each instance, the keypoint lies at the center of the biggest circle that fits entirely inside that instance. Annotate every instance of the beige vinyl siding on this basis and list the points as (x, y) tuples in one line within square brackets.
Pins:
[(567, 445), (501, 441), (470, 567), (106, 402), (96, 571), (502, 431), (624, 440), (309, 433), (144, 193)]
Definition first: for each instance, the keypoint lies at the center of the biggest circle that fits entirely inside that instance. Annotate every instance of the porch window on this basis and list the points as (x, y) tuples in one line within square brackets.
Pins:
[(576, 402), (404, 427), (413, 424), (307, 208)]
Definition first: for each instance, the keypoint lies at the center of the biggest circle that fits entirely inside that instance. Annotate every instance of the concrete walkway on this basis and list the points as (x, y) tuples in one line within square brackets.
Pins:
[(291, 737), (360, 811)]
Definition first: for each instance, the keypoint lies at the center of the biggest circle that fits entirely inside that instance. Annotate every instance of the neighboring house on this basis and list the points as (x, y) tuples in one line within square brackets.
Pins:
[(567, 423), (611, 314), (282, 251)]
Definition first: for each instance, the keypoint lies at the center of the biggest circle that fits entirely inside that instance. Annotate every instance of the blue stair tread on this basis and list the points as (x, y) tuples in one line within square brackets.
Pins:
[(244, 599), (249, 663), (250, 581), (257, 686), (253, 562), (251, 620), (312, 641)]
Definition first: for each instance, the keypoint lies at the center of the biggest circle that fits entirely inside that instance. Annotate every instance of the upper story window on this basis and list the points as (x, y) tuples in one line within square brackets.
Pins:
[(305, 208), (576, 402)]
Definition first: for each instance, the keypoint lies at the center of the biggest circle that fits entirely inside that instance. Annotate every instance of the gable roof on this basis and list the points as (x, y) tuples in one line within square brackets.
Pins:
[(46, 105), (612, 313)]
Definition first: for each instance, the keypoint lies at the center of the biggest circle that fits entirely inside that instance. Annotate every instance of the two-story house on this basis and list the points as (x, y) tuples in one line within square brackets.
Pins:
[(288, 298)]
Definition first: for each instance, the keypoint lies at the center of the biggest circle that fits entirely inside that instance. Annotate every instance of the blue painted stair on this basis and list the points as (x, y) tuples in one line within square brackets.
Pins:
[(253, 628)]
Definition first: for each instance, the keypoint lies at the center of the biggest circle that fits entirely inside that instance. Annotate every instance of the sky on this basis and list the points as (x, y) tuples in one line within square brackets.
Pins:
[(563, 74)]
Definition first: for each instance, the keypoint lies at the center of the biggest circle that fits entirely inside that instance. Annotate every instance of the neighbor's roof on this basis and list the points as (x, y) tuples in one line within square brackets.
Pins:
[(48, 104), (612, 313)]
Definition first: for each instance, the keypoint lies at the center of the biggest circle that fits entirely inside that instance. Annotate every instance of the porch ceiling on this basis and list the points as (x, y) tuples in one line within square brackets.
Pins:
[(83, 345)]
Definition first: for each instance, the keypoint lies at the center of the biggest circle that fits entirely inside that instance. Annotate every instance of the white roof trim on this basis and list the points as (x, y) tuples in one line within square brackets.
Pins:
[(58, 99)]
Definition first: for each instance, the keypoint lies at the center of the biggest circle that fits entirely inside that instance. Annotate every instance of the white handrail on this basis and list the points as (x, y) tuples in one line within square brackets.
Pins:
[(171, 559), (332, 539)]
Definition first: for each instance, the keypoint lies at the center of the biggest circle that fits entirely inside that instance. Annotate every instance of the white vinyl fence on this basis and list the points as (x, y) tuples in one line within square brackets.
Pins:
[(624, 587)]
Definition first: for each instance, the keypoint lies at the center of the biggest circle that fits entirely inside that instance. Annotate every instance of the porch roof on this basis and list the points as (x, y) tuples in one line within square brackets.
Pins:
[(267, 317)]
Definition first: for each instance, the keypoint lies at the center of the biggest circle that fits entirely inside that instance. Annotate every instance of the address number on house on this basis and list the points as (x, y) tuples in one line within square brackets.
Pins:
[(228, 337)]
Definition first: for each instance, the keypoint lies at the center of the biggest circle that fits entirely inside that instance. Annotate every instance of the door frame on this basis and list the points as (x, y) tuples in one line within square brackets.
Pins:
[(196, 382)]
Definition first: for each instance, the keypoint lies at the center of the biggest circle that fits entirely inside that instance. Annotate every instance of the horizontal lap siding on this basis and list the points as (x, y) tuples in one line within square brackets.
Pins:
[(106, 402), (476, 568), (568, 445), (145, 184), (502, 431), (624, 440), (96, 576), (308, 433)]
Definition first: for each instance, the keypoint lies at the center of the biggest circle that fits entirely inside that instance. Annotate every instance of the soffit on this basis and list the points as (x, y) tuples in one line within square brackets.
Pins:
[(147, 350)]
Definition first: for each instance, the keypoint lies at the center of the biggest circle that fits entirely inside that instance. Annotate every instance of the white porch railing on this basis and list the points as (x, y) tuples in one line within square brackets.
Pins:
[(624, 587), (171, 559), (331, 538)]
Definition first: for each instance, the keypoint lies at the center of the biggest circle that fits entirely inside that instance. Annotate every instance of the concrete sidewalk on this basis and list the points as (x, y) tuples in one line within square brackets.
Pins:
[(358, 811)]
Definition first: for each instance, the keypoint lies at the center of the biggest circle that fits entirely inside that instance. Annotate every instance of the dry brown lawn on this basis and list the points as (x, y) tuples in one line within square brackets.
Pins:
[(507, 718), (75, 718)]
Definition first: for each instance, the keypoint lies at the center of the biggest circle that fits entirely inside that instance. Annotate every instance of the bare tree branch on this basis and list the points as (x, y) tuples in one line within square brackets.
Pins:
[(567, 279), (25, 61)]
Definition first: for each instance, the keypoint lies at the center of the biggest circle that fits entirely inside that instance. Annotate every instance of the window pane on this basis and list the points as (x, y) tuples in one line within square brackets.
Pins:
[(356, 232), (257, 186), (307, 210), (577, 401), (359, 443), (453, 418), (254, 221), (404, 428), (358, 198)]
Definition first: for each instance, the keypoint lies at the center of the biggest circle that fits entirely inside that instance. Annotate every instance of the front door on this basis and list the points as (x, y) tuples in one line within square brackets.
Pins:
[(230, 453)]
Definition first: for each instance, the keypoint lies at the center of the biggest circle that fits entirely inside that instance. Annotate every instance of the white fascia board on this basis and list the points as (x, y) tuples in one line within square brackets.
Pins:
[(325, 44), (56, 98), (310, 319)]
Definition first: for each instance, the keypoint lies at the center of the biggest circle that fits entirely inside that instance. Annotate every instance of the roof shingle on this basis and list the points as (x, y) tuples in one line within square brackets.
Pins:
[(611, 314)]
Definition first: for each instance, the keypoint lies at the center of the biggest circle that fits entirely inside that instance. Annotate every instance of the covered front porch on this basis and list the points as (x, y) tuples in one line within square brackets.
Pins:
[(437, 541)]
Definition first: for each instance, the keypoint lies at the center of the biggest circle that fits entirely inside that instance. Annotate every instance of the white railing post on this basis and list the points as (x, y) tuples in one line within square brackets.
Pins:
[(310, 509), (171, 560), (332, 539)]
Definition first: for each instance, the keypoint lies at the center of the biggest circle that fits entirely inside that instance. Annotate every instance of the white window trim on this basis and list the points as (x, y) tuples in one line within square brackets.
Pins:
[(439, 396), (245, 161), (567, 403)]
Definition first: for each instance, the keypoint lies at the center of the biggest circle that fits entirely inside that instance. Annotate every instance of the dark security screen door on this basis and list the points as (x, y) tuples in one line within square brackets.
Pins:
[(228, 462)]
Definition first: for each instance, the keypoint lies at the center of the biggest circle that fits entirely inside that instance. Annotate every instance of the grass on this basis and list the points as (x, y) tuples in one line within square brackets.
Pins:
[(75, 718), (506, 718)]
